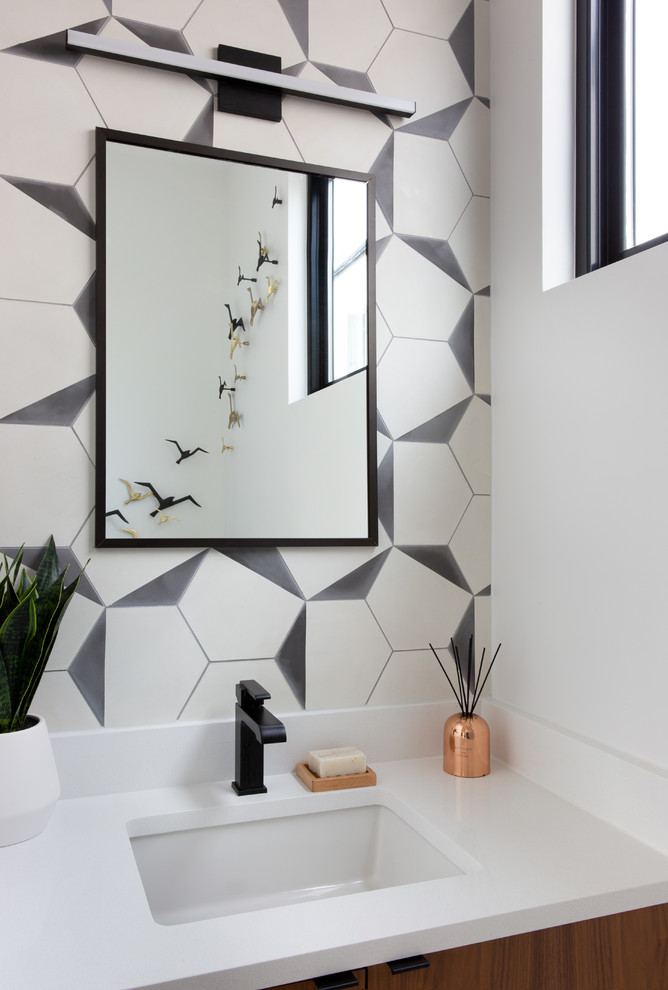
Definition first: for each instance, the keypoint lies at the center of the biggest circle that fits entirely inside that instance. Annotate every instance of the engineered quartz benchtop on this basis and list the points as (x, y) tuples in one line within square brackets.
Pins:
[(74, 916)]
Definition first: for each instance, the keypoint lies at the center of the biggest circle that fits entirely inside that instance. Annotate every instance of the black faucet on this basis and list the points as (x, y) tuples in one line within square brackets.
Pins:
[(255, 728)]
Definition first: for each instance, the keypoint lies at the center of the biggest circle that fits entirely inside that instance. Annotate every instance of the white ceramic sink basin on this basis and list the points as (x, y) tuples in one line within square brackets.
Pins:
[(193, 868)]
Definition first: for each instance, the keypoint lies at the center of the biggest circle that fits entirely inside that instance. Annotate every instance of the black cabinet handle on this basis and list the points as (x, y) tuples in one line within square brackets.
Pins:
[(408, 964), (336, 981)]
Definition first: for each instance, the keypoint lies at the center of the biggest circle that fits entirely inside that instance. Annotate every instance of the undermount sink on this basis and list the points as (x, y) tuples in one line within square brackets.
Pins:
[(193, 868)]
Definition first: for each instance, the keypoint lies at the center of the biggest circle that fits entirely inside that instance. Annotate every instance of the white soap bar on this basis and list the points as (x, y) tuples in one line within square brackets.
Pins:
[(335, 762)]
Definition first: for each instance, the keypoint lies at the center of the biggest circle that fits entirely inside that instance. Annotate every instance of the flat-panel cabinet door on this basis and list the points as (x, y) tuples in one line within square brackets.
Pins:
[(627, 951)]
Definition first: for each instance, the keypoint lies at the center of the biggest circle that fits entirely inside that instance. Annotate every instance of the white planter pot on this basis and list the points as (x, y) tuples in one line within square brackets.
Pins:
[(29, 784)]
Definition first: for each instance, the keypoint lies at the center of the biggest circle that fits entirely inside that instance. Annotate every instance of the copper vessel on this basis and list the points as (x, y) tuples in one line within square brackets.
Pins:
[(466, 746)]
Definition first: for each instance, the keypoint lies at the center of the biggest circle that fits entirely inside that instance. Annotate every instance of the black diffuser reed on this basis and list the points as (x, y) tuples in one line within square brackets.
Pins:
[(469, 687)]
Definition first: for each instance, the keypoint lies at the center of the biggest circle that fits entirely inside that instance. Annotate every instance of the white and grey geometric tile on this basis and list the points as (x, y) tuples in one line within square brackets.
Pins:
[(383, 231), (417, 298), (85, 187), (472, 541), (227, 22), (346, 653), (52, 47), (483, 630), (152, 662), (342, 137), (430, 494), (352, 139), (46, 144), (351, 78), (354, 49), (62, 200), (471, 445), (482, 345), (58, 409), (201, 131), (356, 584), (253, 136), (464, 643), (438, 125), (410, 677), (267, 562), (84, 307), (386, 493), (53, 453), (431, 191), (462, 42), (383, 169), (318, 568), (417, 67), (139, 98), (62, 705), (417, 380), (156, 35), (414, 605), (383, 335), (425, 16), (297, 14), (87, 668), (294, 70), (84, 428), (41, 17), (382, 429), (167, 589), (291, 657), (54, 353), (170, 13), (439, 252), (470, 242), (114, 572), (470, 143), (462, 342), (440, 560), (441, 428), (46, 259), (383, 445), (214, 696), (482, 60), (222, 623)]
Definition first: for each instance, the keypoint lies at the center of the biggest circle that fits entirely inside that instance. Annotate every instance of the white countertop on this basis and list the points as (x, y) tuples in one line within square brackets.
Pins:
[(73, 914)]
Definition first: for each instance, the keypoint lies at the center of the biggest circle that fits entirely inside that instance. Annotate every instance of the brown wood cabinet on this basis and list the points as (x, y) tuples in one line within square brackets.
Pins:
[(626, 951)]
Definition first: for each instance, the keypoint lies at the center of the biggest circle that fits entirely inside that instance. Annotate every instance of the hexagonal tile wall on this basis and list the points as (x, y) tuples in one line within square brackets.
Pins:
[(163, 634)]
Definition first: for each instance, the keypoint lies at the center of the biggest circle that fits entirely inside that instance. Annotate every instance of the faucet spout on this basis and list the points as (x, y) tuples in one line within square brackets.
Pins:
[(255, 728)]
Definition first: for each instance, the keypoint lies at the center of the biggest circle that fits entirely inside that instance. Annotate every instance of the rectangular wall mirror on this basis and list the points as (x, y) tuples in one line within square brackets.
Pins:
[(236, 397)]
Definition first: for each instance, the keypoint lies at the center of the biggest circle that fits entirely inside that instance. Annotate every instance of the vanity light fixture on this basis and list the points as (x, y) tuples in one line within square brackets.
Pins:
[(253, 79)]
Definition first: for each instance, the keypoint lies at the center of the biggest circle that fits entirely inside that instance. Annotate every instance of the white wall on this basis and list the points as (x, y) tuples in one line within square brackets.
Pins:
[(580, 460)]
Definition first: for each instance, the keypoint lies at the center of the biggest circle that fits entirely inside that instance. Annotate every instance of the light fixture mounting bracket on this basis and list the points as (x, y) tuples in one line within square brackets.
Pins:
[(247, 99)]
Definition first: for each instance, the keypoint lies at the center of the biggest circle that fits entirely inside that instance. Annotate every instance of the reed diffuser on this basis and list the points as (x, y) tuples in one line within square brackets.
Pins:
[(465, 734)]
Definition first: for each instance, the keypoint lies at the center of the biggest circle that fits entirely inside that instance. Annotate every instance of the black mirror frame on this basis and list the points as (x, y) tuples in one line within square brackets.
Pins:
[(105, 136)]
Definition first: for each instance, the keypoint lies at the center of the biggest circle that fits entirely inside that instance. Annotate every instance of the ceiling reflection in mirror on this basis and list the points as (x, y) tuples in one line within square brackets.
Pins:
[(236, 398)]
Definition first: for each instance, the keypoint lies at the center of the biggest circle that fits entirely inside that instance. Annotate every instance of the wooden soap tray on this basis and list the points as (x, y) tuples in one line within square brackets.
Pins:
[(338, 783)]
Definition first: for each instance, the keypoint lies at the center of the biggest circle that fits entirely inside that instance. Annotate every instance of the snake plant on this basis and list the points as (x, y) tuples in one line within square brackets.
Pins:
[(30, 615)]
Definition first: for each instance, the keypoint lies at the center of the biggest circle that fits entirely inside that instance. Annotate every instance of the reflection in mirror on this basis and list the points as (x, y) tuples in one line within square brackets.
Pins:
[(236, 398)]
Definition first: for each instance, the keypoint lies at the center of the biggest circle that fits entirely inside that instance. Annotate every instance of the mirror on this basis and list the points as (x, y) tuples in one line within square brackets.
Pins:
[(236, 398)]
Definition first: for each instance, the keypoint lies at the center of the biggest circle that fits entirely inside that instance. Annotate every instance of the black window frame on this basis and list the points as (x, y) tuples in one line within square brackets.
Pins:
[(601, 120), (320, 282)]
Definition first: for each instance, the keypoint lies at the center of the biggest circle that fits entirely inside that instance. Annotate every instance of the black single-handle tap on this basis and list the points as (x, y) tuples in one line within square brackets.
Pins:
[(255, 728)]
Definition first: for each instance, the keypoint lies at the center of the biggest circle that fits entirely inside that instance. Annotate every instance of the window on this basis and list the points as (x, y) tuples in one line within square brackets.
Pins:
[(621, 142), (338, 267)]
